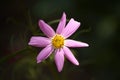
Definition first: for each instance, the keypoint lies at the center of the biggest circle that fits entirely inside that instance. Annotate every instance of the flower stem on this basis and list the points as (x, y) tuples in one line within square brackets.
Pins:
[(55, 21), (13, 54), (53, 71)]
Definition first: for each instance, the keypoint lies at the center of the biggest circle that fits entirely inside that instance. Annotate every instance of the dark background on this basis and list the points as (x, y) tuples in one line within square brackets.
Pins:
[(100, 28)]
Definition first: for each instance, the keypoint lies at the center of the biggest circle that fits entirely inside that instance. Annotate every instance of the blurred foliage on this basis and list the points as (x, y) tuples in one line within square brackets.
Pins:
[(100, 28)]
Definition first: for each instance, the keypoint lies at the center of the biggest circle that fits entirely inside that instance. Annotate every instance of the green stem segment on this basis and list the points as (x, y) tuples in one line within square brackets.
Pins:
[(7, 57), (55, 21)]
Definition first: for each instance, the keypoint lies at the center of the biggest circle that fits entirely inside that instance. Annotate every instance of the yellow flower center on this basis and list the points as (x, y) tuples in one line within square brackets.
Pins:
[(58, 41)]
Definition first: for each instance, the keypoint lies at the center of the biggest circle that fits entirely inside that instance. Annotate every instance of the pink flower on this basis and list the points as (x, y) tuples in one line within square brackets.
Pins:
[(57, 42)]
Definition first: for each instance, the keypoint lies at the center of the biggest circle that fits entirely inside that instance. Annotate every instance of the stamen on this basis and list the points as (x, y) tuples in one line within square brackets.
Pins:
[(58, 41)]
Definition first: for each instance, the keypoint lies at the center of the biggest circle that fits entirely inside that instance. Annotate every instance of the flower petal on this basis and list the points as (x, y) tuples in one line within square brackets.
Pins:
[(61, 24), (39, 41), (59, 59), (70, 56), (70, 28), (46, 29), (73, 43), (44, 53)]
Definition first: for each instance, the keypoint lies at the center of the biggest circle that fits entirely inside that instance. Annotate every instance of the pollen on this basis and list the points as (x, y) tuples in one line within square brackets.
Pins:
[(58, 41)]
